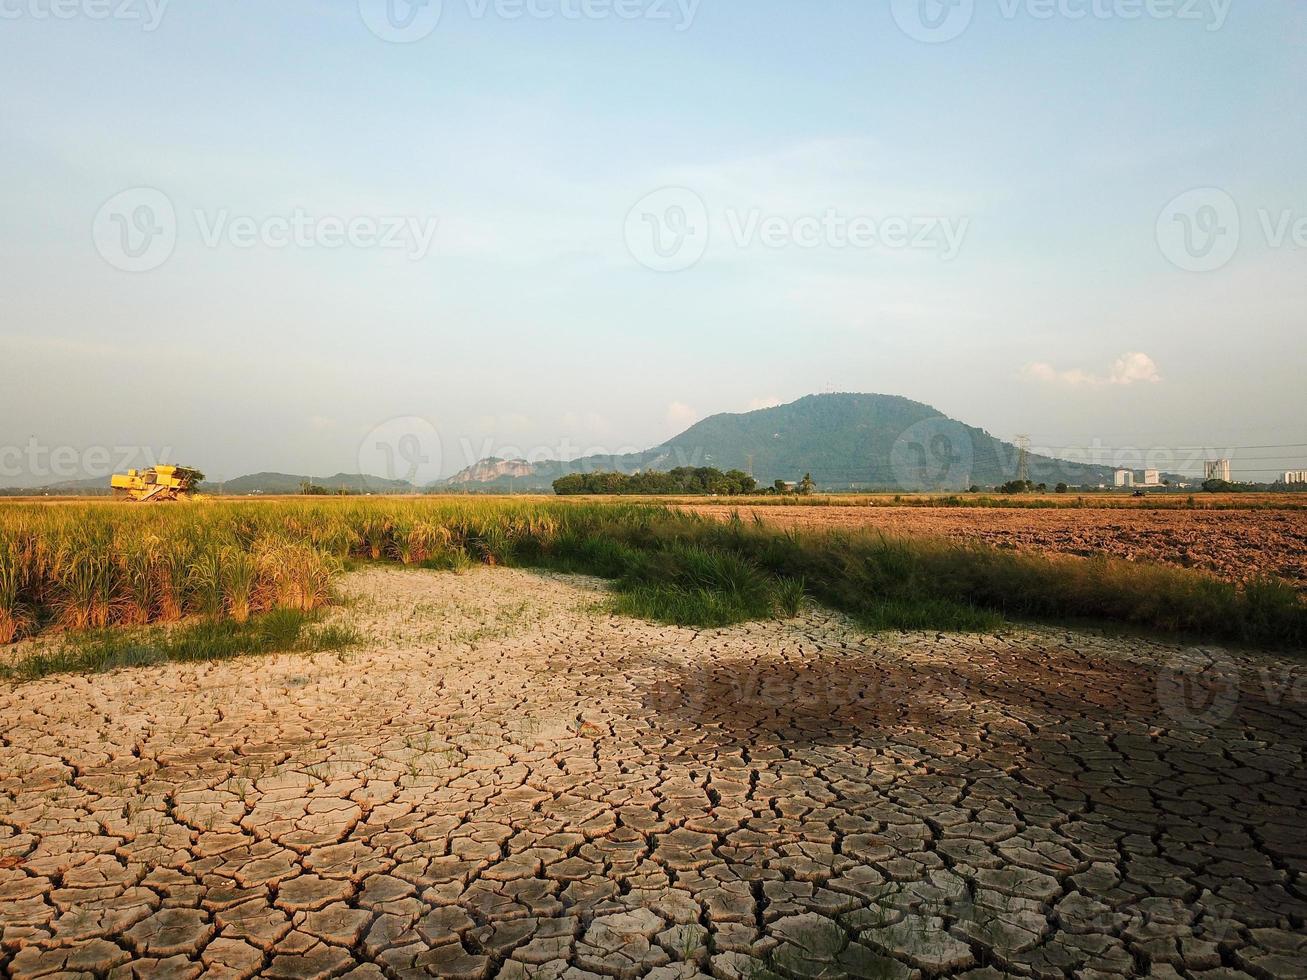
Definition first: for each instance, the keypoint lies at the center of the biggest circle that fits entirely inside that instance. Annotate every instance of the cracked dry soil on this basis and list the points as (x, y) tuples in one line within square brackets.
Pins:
[(508, 782)]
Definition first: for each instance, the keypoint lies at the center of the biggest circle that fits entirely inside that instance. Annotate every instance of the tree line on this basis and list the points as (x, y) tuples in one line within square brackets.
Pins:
[(682, 480)]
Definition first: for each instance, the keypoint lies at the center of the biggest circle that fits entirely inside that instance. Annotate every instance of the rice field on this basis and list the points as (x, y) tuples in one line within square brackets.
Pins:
[(93, 566)]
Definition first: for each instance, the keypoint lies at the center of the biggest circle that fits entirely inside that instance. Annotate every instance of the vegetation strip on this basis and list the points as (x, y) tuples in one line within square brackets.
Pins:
[(79, 567), (279, 631)]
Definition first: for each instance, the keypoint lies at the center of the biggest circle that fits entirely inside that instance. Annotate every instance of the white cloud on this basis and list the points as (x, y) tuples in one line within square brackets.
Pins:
[(1128, 369), (681, 416), (1134, 367)]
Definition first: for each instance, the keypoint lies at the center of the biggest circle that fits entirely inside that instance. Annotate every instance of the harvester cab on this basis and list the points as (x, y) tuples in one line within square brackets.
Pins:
[(158, 483)]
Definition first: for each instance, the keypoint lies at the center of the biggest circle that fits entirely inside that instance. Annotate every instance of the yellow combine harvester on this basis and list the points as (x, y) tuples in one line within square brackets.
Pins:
[(157, 483)]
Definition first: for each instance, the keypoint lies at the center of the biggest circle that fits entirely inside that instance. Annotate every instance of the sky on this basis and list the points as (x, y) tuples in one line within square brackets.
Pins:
[(315, 236)]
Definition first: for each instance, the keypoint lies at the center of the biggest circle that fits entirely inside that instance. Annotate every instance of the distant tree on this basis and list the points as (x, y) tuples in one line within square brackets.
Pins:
[(739, 482), (1061, 488), (1224, 486), (806, 487), (308, 489), (682, 480), (1017, 486), (974, 488)]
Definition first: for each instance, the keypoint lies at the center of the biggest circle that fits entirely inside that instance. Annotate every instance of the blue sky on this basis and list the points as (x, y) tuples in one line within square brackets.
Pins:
[(1050, 145)]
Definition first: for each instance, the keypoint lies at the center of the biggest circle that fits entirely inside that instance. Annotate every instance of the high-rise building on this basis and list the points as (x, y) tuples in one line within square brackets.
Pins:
[(1295, 476), (1217, 469), (1152, 478), (1125, 478)]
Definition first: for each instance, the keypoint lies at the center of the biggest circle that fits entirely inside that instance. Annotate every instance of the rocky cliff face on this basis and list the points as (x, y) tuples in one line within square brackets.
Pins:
[(489, 470)]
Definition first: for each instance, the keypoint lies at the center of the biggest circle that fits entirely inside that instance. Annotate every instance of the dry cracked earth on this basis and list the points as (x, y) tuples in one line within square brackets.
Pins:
[(509, 782)]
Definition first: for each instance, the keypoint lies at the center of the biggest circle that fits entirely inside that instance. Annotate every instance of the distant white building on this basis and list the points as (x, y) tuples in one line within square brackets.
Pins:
[(1125, 478), (1152, 478), (1295, 476), (1217, 469)]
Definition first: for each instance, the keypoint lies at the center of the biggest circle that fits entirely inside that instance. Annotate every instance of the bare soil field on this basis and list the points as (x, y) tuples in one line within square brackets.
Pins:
[(507, 781), (1235, 544), (1031, 501)]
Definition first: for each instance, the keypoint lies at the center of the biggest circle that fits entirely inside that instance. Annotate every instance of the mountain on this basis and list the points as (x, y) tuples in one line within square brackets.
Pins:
[(492, 469), (273, 483), (67, 488), (844, 440)]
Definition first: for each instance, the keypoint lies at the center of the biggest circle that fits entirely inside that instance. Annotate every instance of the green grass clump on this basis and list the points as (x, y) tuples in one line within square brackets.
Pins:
[(279, 631), (927, 614)]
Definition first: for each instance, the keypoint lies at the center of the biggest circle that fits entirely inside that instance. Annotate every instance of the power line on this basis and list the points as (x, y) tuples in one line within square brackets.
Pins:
[(1050, 445)]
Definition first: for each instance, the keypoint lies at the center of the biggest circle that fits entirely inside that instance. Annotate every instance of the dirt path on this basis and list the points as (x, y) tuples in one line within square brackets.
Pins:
[(508, 782), (1235, 544)]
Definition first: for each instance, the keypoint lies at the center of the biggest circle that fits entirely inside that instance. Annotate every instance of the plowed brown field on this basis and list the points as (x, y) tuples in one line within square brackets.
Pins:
[(1235, 544)]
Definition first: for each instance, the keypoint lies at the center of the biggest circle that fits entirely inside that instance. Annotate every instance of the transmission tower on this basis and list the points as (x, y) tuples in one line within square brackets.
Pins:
[(749, 457), (1023, 457)]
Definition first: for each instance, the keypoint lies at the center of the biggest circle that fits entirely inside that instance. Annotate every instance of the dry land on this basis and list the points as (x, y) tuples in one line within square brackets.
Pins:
[(1235, 544), (506, 780)]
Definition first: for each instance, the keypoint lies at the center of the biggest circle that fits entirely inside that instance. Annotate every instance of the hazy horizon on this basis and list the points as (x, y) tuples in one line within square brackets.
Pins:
[(267, 238)]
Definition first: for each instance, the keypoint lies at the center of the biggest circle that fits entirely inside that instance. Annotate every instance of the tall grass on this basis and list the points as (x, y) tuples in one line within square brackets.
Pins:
[(89, 566)]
